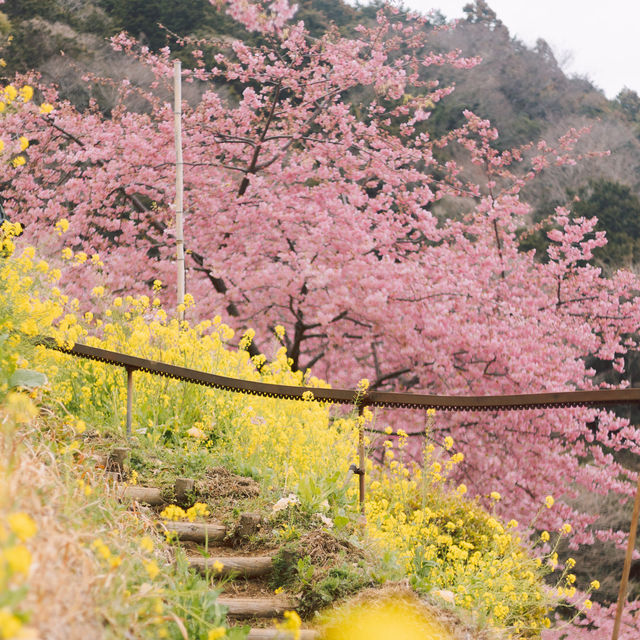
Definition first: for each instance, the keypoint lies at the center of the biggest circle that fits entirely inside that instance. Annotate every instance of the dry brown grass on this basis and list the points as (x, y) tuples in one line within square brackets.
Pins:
[(62, 594), (67, 584)]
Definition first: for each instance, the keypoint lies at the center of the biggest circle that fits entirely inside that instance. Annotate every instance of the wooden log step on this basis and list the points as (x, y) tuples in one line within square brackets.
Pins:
[(148, 495), (275, 634), (195, 531), (245, 566), (257, 607)]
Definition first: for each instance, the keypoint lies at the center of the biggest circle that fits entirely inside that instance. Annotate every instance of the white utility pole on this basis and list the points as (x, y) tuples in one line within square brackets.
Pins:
[(177, 125)]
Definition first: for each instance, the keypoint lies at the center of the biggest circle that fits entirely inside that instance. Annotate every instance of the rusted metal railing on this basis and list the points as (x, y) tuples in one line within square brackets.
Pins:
[(362, 398), (355, 397)]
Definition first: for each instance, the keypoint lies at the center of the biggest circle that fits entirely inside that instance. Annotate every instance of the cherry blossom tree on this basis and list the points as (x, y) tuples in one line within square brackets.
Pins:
[(317, 200)]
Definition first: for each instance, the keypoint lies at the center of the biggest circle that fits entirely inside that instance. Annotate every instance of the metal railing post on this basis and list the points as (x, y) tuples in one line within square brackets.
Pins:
[(129, 399), (624, 582), (361, 459)]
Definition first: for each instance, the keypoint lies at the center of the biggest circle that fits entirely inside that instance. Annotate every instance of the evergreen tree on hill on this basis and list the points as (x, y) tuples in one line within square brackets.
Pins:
[(618, 211), (145, 17)]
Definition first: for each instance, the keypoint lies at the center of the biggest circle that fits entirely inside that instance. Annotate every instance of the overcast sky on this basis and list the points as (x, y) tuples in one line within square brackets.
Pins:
[(596, 39)]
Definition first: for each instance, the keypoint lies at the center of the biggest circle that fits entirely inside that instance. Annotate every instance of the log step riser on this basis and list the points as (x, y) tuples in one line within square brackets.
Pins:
[(274, 634), (147, 495), (256, 607), (246, 567), (195, 532)]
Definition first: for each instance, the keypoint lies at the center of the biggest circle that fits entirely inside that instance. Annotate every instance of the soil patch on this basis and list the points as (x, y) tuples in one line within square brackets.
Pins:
[(225, 551), (221, 483), (324, 548), (247, 588)]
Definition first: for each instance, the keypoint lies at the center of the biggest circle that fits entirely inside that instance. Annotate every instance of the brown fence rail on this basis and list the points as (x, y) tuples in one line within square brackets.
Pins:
[(518, 402)]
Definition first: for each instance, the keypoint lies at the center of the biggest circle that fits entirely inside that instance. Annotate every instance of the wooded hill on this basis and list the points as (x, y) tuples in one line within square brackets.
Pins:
[(523, 91)]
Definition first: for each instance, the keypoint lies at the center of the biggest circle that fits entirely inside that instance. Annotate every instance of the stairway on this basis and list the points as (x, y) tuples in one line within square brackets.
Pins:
[(246, 595)]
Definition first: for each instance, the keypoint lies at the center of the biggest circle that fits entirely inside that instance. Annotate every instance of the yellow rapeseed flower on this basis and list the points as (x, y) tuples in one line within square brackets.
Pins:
[(292, 624), (23, 525), (10, 625), (152, 569), (10, 92), (26, 93), (146, 544), (18, 558), (217, 566), (173, 512), (394, 618), (62, 226)]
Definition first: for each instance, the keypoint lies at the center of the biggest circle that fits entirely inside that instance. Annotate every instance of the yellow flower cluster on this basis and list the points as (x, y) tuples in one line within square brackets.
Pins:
[(105, 554), (9, 94), (174, 512), (290, 625), (15, 563), (12, 98), (446, 544), (8, 231), (398, 616)]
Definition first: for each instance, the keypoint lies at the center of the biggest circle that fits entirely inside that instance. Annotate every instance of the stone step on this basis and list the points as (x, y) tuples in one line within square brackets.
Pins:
[(202, 532), (257, 607), (276, 634), (244, 566)]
